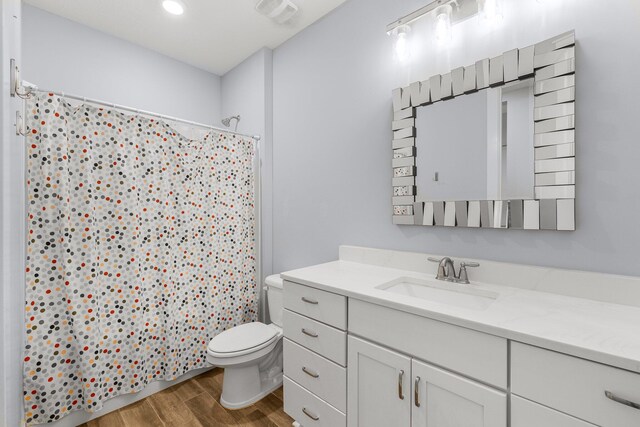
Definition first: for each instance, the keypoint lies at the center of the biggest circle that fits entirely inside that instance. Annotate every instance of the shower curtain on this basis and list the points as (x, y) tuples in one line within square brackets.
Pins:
[(141, 248)]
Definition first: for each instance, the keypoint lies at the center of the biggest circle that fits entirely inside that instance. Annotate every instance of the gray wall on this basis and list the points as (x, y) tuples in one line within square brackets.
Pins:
[(247, 90), (332, 136), (243, 92), (62, 55)]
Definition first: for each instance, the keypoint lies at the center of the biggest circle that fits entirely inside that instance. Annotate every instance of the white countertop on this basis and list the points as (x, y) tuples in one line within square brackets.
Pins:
[(599, 331)]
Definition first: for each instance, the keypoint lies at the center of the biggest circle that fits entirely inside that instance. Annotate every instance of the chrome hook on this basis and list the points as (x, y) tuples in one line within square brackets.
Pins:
[(16, 85)]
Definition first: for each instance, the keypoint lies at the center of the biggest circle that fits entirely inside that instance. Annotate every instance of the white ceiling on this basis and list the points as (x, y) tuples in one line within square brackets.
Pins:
[(215, 35)]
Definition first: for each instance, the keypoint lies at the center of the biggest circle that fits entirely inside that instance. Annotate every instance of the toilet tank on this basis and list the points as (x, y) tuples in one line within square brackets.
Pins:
[(274, 298)]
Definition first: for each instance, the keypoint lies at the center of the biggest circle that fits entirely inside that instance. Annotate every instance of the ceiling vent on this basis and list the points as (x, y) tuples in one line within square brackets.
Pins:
[(281, 11)]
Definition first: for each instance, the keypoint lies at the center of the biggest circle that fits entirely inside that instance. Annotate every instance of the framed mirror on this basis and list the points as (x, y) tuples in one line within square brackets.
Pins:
[(489, 145)]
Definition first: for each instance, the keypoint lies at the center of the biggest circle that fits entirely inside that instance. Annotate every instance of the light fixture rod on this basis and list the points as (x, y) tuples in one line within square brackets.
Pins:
[(417, 14)]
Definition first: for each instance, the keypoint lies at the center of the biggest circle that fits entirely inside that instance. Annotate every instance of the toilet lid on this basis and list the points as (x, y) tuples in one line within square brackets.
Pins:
[(242, 337)]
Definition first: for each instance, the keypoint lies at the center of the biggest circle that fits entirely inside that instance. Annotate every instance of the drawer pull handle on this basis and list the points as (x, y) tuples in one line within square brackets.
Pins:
[(416, 392), (621, 400), (309, 301), (309, 333), (310, 414), (400, 381), (310, 373)]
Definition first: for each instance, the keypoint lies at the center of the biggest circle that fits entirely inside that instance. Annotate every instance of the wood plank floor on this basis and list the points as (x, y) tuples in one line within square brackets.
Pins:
[(196, 403)]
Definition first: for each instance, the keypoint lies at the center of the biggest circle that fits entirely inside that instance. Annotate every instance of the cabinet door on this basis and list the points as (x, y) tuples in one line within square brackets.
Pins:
[(378, 386), (443, 399)]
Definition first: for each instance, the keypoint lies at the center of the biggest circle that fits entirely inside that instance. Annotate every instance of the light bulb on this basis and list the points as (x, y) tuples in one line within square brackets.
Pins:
[(403, 53), (443, 23), (491, 11), (174, 7)]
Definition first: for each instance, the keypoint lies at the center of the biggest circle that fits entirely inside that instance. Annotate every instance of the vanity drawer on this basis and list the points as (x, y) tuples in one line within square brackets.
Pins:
[(323, 306), (471, 353), (320, 376), (575, 386), (525, 413), (323, 339), (308, 409)]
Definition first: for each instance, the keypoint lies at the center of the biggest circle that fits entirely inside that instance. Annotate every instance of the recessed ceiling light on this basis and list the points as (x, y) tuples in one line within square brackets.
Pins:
[(174, 7)]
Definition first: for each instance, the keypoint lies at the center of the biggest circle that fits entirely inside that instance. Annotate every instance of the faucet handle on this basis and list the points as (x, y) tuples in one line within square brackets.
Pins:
[(434, 259), (469, 264), (463, 277)]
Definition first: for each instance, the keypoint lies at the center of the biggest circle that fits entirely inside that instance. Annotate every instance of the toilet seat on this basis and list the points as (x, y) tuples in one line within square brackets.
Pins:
[(243, 339)]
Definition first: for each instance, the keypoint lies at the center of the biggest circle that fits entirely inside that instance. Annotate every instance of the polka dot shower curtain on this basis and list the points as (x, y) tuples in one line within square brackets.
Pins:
[(141, 248)]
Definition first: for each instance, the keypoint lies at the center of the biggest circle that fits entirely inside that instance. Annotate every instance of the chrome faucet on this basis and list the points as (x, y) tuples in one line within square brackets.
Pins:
[(447, 271)]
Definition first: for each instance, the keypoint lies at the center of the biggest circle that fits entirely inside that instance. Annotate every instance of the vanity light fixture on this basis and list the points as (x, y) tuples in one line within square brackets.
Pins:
[(174, 7), (447, 13)]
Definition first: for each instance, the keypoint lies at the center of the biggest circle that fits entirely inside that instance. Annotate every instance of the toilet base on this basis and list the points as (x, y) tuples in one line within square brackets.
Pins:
[(244, 383), (244, 386)]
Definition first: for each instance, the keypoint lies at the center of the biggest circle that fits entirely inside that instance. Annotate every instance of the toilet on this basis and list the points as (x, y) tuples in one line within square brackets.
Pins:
[(251, 354)]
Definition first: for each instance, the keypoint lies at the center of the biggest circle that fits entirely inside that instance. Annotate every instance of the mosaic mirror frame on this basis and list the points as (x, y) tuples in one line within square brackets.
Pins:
[(552, 65)]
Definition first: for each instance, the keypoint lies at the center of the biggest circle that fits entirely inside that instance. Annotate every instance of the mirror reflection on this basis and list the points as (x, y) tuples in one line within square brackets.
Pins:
[(477, 146)]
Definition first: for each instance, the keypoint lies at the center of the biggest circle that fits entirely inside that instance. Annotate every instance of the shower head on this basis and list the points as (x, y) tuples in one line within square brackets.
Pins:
[(227, 121)]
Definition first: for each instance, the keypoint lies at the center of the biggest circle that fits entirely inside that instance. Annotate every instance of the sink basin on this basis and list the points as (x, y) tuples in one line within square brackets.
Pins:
[(456, 294)]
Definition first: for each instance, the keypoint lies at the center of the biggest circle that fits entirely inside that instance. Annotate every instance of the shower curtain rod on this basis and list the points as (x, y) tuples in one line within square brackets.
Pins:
[(32, 87)]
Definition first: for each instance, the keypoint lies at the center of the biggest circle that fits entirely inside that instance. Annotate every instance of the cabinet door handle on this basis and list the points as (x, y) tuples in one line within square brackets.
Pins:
[(310, 373), (400, 381), (309, 333), (309, 301), (311, 415), (416, 392), (621, 400)]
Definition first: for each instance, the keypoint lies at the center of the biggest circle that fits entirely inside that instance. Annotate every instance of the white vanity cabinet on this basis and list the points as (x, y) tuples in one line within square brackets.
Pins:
[(387, 388), (355, 363)]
